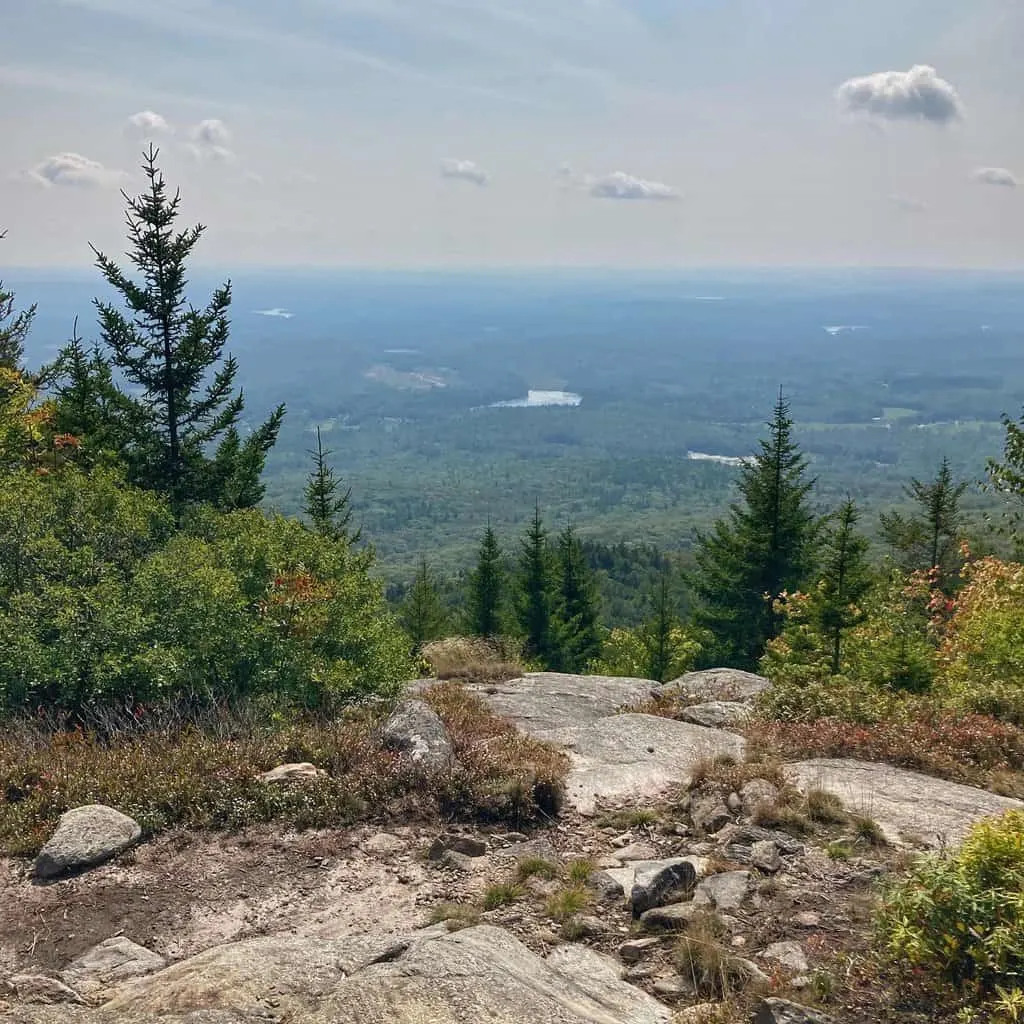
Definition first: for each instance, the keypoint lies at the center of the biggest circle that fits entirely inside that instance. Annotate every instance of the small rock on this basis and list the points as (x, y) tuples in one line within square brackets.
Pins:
[(726, 891), (622, 840), (587, 926), (716, 714), (302, 771), (701, 1013), (541, 848), (415, 730), (638, 973), (656, 881), (709, 814), (110, 962), (675, 986), (608, 862), (608, 889), (37, 988), (765, 856), (468, 846), (748, 971), (734, 803), (507, 838), (675, 917), (456, 861), (635, 950), (638, 851), (738, 941), (807, 919), (86, 836), (757, 792), (789, 954), (782, 1011)]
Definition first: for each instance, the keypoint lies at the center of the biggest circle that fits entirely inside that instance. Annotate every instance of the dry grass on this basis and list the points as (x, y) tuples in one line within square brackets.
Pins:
[(529, 867), (474, 659), (579, 871), (867, 830), (731, 774), (500, 894), (640, 817), (701, 957), (568, 902), (781, 815), (202, 772), (455, 915), (824, 807)]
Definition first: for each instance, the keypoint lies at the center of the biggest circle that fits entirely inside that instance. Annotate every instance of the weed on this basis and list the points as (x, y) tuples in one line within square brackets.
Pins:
[(839, 849), (579, 871), (824, 807), (530, 866), (500, 894), (867, 830), (568, 901)]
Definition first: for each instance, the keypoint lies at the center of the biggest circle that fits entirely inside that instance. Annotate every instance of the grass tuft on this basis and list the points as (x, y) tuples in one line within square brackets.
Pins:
[(567, 902), (455, 915), (824, 807), (579, 871), (501, 894), (529, 867)]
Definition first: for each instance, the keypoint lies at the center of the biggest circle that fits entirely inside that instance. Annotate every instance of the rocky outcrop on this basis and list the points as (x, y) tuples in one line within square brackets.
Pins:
[(717, 684), (910, 808), (86, 836), (109, 963), (781, 1011), (416, 731), (716, 714)]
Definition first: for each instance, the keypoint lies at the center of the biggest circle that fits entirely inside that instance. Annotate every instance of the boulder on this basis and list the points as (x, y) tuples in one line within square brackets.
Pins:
[(608, 887), (39, 989), (463, 977), (86, 836), (634, 950), (904, 803), (110, 962), (674, 917), (758, 792), (716, 714), (637, 851), (303, 771), (717, 684), (655, 882), (467, 846), (415, 730), (782, 1011), (787, 954), (708, 813), (726, 891), (764, 855)]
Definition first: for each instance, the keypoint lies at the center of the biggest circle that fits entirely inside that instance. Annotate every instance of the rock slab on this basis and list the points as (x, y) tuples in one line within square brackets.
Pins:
[(782, 1011), (109, 963), (86, 836), (718, 684)]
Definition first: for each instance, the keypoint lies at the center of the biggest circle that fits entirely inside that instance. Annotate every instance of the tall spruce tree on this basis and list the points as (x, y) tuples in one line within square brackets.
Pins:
[(845, 580), (657, 631), (766, 545), (536, 594), (485, 606), (423, 614), (579, 606), (929, 538), (14, 328), (183, 436), (328, 508)]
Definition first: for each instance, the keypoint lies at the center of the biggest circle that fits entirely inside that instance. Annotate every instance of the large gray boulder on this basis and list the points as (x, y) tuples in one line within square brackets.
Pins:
[(717, 684), (717, 714), (433, 977), (911, 808), (86, 836), (415, 730)]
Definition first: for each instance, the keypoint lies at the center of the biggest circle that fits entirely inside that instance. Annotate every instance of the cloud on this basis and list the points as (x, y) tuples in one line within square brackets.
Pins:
[(464, 170), (211, 140), (148, 124), (905, 205), (996, 176), (620, 185), (75, 170), (915, 95)]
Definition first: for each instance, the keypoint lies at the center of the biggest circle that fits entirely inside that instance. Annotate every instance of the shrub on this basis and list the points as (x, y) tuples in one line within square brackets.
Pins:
[(981, 658), (630, 652), (960, 917), (474, 659)]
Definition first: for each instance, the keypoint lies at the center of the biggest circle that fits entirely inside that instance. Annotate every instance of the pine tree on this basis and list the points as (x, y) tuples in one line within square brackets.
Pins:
[(1006, 479), (183, 436), (845, 580), (328, 508), (578, 606), (929, 538), (485, 609), (14, 328), (658, 629), (536, 594), (423, 613), (766, 545)]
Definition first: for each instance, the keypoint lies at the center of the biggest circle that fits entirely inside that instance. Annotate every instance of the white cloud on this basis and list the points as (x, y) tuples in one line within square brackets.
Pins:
[(915, 95), (996, 176), (620, 185), (905, 205), (148, 124), (464, 170), (74, 169), (211, 140)]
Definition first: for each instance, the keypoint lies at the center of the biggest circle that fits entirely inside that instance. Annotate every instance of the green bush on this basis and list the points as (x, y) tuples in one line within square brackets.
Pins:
[(102, 602), (960, 917)]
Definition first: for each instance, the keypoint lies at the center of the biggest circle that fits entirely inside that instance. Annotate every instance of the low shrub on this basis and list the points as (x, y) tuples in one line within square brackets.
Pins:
[(200, 770), (959, 918), (473, 659)]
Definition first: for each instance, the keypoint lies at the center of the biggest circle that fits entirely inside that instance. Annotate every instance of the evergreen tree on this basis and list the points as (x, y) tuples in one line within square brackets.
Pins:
[(423, 613), (658, 630), (1006, 479), (845, 580), (14, 328), (485, 608), (766, 545), (328, 508), (536, 594), (578, 606), (929, 538), (182, 437)]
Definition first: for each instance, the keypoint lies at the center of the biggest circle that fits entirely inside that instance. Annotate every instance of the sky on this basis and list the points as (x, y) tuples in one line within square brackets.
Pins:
[(490, 133)]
